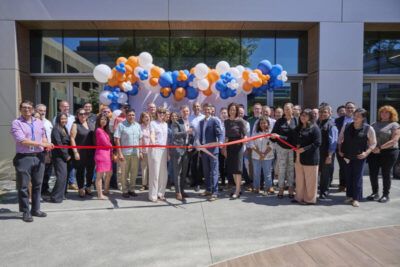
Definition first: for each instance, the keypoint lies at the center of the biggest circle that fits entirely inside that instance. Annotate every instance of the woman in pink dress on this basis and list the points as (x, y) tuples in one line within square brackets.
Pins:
[(103, 155)]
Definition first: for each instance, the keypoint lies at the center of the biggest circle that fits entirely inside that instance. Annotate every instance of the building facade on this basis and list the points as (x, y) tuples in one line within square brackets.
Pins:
[(334, 50)]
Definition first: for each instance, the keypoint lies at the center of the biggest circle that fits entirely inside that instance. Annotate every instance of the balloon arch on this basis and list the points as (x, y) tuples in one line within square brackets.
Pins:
[(139, 73)]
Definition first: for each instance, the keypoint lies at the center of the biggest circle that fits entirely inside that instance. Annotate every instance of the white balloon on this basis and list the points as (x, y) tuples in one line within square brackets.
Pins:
[(127, 86), (116, 113), (101, 73), (122, 98), (203, 84), (284, 79), (213, 89), (194, 83), (103, 97), (137, 70), (234, 72), (253, 77), (145, 59), (284, 73), (240, 68), (222, 67), (233, 84), (201, 71)]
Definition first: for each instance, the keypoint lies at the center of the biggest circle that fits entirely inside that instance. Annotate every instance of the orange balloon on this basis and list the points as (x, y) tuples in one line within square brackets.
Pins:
[(258, 72), (247, 86), (121, 77), (165, 91), (153, 81), (155, 72), (128, 70), (131, 78), (246, 75), (257, 83), (120, 60), (113, 82), (182, 76), (213, 76), (179, 94), (192, 70), (133, 62), (265, 79), (207, 92)]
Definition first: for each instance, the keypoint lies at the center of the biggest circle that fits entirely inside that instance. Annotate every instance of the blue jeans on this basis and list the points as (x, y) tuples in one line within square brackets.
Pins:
[(354, 178), (266, 166)]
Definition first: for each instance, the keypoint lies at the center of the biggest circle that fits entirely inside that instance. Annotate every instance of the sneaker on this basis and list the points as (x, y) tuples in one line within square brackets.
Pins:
[(373, 197), (212, 198), (73, 187), (384, 199), (348, 200), (355, 204)]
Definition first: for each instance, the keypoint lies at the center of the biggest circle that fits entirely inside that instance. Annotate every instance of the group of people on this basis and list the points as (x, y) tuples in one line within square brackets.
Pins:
[(298, 147)]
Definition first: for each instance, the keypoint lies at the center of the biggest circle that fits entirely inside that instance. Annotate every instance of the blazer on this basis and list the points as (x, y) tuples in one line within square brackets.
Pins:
[(177, 137), (213, 133), (57, 138)]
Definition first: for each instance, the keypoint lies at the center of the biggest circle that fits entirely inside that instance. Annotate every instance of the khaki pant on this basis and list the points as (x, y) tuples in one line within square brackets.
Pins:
[(285, 162), (306, 183), (129, 170), (144, 165), (158, 172)]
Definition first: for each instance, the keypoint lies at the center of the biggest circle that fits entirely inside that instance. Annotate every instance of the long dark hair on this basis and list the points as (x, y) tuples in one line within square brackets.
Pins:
[(310, 122), (107, 126), (77, 121), (258, 127), (62, 129)]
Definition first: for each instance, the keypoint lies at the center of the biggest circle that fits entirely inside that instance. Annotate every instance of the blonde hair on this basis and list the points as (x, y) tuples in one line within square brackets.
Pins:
[(394, 117)]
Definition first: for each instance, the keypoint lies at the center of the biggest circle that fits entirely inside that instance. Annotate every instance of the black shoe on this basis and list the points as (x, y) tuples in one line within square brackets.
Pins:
[(197, 188), (132, 194), (125, 195), (39, 214), (373, 197), (46, 193), (384, 199), (27, 217)]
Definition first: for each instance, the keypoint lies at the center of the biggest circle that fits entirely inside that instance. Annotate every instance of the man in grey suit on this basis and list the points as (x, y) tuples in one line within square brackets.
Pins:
[(181, 134)]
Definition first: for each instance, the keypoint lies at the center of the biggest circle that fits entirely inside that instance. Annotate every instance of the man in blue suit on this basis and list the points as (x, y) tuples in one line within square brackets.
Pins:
[(209, 131)]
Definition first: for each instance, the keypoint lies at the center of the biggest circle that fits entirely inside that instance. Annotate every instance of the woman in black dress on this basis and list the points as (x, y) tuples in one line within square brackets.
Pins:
[(60, 157), (235, 129), (82, 134)]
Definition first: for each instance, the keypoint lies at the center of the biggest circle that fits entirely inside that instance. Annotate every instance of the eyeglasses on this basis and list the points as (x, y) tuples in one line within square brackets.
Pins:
[(82, 114), (161, 112)]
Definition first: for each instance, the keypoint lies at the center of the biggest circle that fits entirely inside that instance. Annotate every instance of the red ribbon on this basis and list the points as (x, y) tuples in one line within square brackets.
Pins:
[(248, 139)]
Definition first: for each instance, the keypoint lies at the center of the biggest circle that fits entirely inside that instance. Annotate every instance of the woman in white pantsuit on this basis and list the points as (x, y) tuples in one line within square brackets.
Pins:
[(158, 172)]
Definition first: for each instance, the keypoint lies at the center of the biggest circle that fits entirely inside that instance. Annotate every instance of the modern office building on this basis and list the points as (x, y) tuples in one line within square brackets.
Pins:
[(333, 50)]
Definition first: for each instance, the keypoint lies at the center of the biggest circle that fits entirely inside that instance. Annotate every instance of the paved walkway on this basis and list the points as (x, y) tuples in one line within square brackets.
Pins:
[(135, 232)]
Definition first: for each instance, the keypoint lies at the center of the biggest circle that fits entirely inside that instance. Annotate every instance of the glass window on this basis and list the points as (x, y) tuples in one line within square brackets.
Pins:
[(114, 44), (81, 50), (187, 49), (222, 45), (291, 51), (366, 100), (85, 92), (156, 43), (51, 94), (257, 46), (46, 51), (388, 94), (288, 93), (382, 52)]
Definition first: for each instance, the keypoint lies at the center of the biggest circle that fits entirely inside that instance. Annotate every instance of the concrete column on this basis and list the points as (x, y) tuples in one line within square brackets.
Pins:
[(9, 93), (340, 66)]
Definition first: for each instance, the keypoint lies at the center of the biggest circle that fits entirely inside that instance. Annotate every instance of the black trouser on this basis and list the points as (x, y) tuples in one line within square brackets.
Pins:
[(326, 171), (385, 161), (222, 170), (342, 170), (48, 169), (60, 169), (196, 168), (180, 163), (81, 167), (29, 167), (114, 179)]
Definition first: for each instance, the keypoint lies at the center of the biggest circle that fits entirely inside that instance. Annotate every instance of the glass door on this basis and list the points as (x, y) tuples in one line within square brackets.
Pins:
[(290, 92), (50, 93)]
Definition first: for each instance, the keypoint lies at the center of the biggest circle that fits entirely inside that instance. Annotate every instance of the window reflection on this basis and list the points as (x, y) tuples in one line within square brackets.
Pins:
[(81, 51), (222, 45), (257, 46), (115, 44), (84, 92), (156, 43), (46, 51), (187, 49), (291, 51), (51, 94), (388, 94), (288, 93), (366, 100)]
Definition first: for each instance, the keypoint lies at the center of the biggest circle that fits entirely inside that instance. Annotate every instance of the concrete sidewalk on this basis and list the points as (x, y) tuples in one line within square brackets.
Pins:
[(135, 232)]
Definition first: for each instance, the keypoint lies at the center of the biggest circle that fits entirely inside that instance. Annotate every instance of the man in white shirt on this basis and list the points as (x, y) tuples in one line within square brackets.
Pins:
[(48, 127)]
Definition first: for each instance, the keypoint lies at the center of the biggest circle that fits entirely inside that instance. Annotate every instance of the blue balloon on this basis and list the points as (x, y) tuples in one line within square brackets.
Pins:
[(121, 68), (135, 89), (232, 92), (220, 85), (191, 93), (276, 70), (265, 66), (186, 72), (224, 95), (110, 96), (191, 78), (116, 89), (165, 79), (108, 88), (183, 84), (114, 106), (278, 84), (143, 75)]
